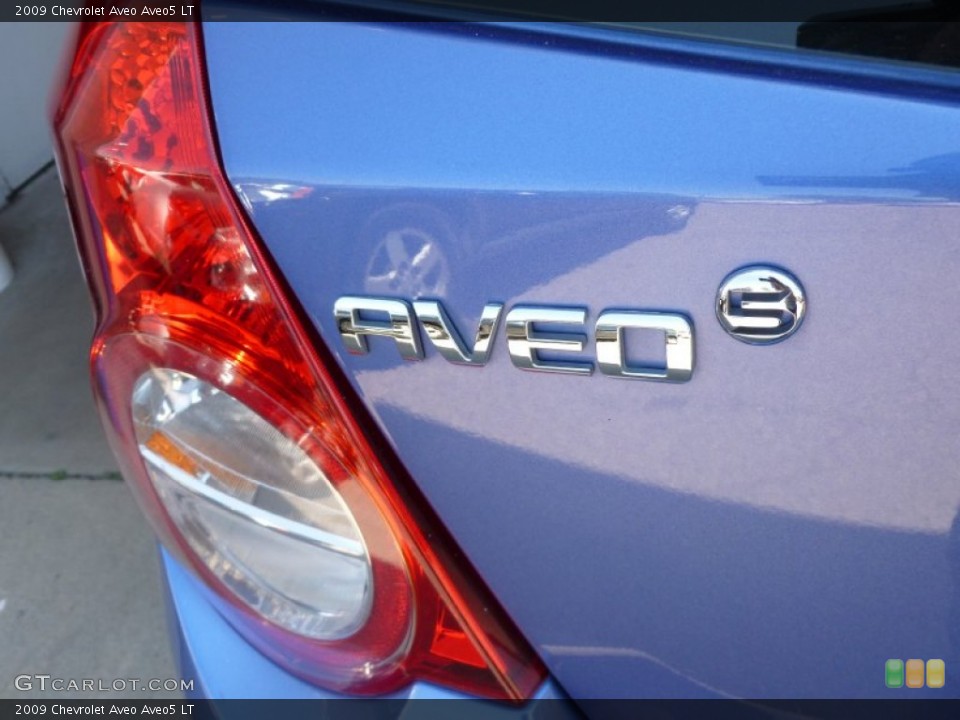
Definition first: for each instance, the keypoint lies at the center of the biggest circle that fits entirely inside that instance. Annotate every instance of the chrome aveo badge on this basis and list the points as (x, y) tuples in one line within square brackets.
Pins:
[(758, 304), (761, 304), (359, 317)]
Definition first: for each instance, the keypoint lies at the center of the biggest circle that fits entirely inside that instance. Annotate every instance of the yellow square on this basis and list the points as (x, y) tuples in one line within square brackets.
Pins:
[(914, 673), (936, 672)]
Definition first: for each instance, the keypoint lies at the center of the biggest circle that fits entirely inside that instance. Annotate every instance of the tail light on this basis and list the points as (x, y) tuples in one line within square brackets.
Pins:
[(253, 467)]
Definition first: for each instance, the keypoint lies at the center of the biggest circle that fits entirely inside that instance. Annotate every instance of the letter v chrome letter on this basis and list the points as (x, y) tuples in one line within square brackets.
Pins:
[(444, 336)]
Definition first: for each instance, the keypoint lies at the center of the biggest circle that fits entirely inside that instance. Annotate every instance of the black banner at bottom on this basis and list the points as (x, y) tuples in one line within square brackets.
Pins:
[(485, 710)]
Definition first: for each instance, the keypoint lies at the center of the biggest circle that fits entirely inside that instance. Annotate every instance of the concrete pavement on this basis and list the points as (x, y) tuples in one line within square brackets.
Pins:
[(80, 594)]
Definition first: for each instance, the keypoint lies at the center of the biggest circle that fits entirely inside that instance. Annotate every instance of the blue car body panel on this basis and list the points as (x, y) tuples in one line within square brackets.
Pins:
[(778, 526)]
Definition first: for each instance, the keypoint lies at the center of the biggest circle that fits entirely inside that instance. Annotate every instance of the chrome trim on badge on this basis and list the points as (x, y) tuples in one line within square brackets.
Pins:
[(678, 339), (761, 304), (445, 338), (524, 340), (354, 328), (359, 317)]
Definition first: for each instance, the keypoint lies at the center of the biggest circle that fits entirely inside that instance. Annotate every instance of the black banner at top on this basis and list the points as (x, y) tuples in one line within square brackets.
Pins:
[(641, 11), (81, 10)]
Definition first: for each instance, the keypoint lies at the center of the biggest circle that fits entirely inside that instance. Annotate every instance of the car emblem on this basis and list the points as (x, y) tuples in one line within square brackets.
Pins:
[(527, 334), (756, 304), (761, 304)]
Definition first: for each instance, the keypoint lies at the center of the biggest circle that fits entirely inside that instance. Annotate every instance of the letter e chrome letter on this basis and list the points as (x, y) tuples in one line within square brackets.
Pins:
[(523, 341)]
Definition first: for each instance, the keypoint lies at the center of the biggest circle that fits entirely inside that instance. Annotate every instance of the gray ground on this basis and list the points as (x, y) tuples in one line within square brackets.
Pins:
[(80, 594)]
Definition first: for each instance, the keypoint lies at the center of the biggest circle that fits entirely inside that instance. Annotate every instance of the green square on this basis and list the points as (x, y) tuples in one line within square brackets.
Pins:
[(894, 673)]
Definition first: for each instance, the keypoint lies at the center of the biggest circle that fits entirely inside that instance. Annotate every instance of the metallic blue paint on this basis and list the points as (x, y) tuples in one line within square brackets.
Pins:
[(777, 527)]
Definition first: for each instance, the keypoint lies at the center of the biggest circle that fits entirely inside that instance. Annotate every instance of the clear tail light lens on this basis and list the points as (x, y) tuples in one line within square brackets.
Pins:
[(242, 445), (253, 506)]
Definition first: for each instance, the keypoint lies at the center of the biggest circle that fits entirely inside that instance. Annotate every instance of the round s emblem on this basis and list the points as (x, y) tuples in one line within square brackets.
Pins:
[(761, 304)]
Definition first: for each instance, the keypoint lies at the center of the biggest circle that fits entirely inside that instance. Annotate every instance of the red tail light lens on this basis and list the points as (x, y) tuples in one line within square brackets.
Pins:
[(230, 429)]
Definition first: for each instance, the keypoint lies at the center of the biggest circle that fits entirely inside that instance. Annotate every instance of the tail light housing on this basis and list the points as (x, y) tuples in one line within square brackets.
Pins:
[(243, 447)]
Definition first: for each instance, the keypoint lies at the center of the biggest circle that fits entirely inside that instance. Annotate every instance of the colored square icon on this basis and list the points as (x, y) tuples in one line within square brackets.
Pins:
[(936, 673), (894, 673), (914, 673)]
